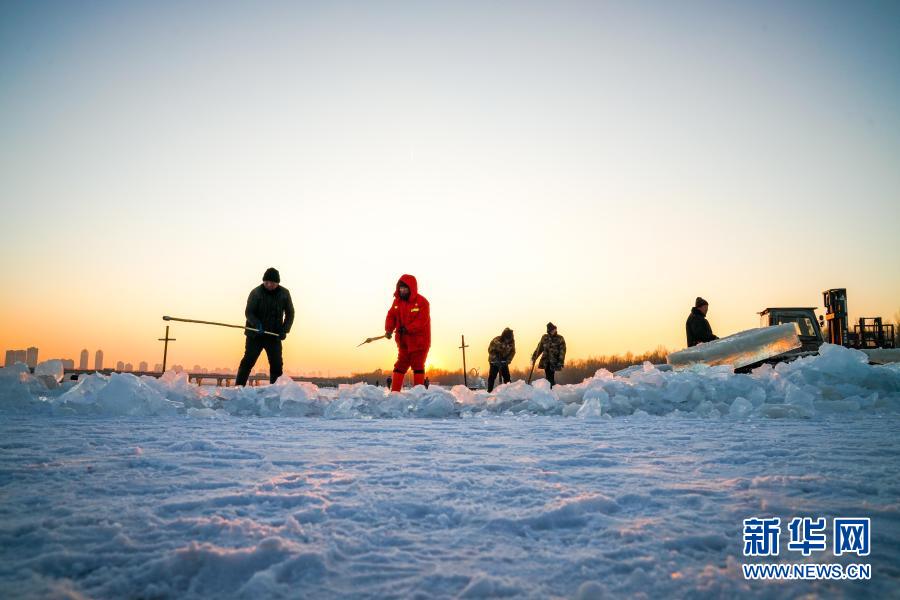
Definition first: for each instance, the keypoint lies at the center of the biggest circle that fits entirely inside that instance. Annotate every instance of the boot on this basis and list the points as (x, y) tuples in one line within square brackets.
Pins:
[(397, 381)]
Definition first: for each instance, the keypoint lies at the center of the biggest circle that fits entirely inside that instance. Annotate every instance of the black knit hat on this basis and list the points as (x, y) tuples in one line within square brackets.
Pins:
[(271, 274), (700, 302), (550, 327)]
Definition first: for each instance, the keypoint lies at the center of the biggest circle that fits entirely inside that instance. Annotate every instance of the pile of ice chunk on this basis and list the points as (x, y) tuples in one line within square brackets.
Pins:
[(838, 380)]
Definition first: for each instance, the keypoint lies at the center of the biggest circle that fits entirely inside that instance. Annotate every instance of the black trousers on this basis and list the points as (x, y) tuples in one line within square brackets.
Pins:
[(503, 371), (550, 374), (253, 348)]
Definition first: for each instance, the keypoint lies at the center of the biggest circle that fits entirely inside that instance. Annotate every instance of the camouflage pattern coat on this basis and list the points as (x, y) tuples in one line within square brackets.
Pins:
[(552, 350), (501, 350)]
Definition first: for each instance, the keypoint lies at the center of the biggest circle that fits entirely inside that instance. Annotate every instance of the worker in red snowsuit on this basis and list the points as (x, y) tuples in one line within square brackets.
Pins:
[(410, 317)]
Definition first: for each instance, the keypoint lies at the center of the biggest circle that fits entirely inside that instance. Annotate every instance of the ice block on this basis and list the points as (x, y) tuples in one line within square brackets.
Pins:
[(740, 349)]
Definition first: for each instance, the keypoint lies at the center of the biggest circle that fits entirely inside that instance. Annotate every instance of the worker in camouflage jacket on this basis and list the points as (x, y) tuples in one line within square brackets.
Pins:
[(501, 351), (552, 350)]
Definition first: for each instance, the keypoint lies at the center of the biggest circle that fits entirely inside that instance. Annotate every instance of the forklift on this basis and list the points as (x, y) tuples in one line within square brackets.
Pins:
[(869, 334)]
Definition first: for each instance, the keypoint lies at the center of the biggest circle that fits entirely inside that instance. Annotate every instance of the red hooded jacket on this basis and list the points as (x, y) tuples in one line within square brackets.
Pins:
[(414, 314)]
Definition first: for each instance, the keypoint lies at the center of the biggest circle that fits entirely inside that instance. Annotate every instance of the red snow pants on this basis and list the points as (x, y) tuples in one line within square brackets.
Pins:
[(405, 360)]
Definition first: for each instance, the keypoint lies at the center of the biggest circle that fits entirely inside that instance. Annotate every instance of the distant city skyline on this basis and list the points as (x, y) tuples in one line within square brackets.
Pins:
[(14, 356), (30, 356)]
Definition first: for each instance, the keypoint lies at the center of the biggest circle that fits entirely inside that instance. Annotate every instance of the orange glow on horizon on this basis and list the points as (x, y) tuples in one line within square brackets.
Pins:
[(543, 167), (321, 344)]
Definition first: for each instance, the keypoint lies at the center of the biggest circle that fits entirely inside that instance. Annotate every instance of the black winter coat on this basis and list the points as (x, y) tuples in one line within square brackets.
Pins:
[(274, 310), (698, 328)]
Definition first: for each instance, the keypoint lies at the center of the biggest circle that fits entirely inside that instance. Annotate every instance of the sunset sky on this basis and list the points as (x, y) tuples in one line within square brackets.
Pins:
[(594, 164)]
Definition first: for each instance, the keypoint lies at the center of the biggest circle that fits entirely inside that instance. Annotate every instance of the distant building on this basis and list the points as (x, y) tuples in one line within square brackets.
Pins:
[(31, 357), (98, 360), (10, 358), (120, 366), (68, 363), (20, 356), (129, 367), (158, 367), (143, 367), (83, 360)]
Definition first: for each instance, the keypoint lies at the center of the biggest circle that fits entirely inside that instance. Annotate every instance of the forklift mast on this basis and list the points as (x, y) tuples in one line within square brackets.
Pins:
[(837, 316)]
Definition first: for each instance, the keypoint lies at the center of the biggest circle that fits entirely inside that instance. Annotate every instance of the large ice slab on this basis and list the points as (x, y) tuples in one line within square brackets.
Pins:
[(740, 349)]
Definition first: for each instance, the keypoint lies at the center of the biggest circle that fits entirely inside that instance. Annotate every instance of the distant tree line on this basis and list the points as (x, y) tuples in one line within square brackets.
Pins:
[(576, 370), (580, 369)]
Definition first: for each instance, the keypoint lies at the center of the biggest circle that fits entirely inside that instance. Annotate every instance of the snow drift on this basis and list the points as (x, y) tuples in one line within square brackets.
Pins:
[(837, 380)]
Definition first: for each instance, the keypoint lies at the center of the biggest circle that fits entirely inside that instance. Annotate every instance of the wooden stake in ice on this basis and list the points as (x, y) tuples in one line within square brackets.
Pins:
[(166, 339), (465, 372)]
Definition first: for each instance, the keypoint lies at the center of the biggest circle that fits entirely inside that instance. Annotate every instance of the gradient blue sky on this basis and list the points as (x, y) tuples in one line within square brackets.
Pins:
[(594, 164)]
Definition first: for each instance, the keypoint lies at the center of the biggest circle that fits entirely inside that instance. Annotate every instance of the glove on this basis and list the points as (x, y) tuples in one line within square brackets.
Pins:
[(282, 336), (402, 330), (388, 334), (259, 329)]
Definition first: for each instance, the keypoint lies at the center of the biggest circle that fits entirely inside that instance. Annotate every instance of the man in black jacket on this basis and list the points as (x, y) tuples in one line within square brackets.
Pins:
[(269, 308), (697, 327)]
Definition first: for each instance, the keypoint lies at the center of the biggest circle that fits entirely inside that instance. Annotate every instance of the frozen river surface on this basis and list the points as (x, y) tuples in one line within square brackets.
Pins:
[(518, 506)]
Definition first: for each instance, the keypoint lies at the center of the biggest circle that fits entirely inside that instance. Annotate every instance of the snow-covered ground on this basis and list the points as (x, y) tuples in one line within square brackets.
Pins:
[(621, 486), (522, 506)]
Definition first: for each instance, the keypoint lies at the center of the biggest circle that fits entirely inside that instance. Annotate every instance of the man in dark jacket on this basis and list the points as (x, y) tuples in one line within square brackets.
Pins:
[(269, 308), (501, 351), (697, 327), (552, 350)]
